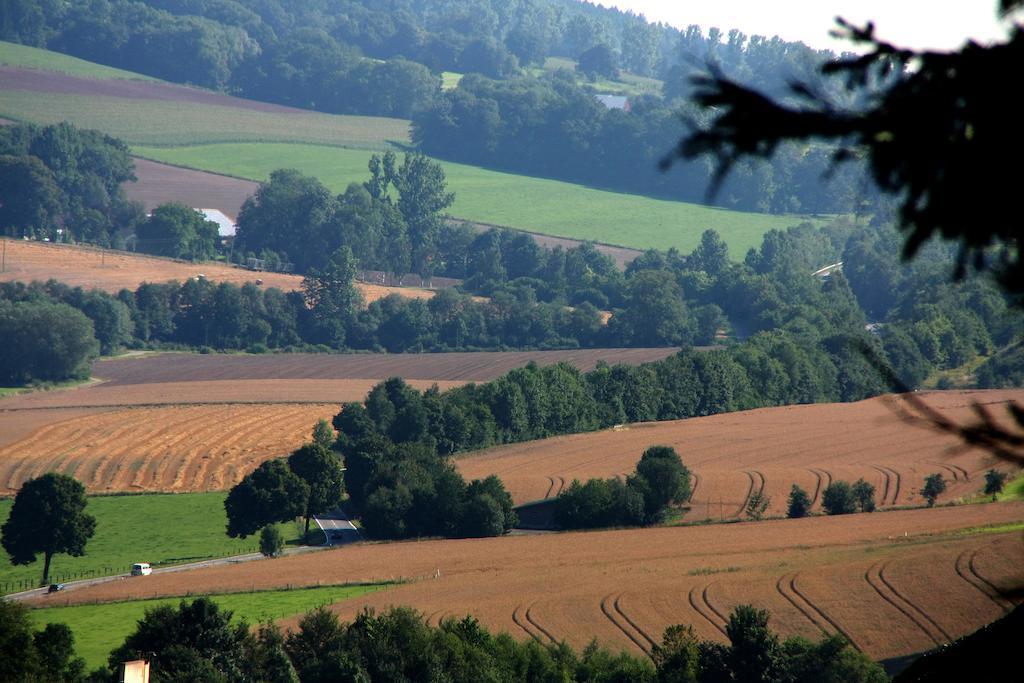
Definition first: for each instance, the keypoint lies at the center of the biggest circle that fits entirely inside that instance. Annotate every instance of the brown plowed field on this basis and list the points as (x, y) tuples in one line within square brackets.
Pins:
[(36, 80), (624, 587), (772, 448), (158, 184), (469, 366), (111, 271), (167, 448)]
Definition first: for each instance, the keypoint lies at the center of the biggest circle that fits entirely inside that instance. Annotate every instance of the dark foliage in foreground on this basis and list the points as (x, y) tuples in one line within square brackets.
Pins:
[(198, 641)]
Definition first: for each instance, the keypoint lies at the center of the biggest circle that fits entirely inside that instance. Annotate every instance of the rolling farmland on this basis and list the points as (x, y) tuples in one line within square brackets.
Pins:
[(868, 577), (733, 455), (539, 205), (191, 422), (209, 131)]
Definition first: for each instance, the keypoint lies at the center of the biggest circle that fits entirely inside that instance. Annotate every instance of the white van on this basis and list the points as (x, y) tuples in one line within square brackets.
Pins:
[(141, 569)]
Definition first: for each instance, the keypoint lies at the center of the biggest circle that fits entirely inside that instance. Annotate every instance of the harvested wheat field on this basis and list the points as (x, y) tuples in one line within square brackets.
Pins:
[(197, 399), (868, 576), (735, 454), (112, 271), (169, 448)]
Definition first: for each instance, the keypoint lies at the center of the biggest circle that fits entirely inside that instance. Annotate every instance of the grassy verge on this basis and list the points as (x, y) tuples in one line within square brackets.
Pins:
[(100, 628), (1013, 490), (161, 529), (27, 57), (157, 122), (43, 386), (540, 205)]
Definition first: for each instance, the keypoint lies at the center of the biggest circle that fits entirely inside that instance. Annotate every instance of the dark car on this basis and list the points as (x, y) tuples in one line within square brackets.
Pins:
[(54, 587)]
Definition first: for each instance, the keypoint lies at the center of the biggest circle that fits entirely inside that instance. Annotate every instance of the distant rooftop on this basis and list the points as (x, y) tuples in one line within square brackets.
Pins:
[(225, 225), (614, 101)]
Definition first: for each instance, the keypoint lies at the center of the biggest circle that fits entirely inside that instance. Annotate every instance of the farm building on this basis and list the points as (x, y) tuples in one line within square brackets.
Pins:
[(226, 227)]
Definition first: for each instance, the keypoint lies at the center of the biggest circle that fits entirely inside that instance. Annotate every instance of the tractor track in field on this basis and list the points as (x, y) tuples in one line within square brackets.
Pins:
[(817, 487), (968, 572), (797, 601), (520, 623), (954, 473), (551, 486), (875, 577), (528, 614), (695, 482), (822, 613), (618, 608), (892, 484), (611, 612), (698, 600)]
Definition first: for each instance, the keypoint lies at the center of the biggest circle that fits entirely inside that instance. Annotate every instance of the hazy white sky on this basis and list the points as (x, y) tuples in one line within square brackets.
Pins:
[(933, 24)]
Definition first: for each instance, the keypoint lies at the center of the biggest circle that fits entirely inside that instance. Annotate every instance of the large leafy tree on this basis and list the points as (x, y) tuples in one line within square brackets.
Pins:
[(332, 297), (423, 195), (316, 465), (272, 493), (44, 341), (194, 642), (48, 517), (178, 231), (29, 198)]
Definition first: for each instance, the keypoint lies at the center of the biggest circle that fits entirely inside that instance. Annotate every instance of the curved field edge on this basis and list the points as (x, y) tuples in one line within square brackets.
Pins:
[(549, 207), (99, 629), (162, 529)]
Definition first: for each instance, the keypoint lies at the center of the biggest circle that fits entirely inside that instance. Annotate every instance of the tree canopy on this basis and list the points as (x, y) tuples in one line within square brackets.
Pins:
[(48, 517)]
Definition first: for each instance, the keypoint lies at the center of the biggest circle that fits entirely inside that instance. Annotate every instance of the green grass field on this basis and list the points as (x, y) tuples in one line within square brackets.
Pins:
[(156, 122), (450, 79), (159, 529), (99, 629), (536, 204), (13, 54), (627, 83)]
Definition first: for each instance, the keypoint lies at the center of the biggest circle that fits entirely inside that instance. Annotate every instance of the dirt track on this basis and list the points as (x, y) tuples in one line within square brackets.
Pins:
[(624, 587), (770, 449)]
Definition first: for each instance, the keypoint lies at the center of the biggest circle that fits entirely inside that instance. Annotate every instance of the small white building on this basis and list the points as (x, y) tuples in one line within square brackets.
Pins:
[(226, 227)]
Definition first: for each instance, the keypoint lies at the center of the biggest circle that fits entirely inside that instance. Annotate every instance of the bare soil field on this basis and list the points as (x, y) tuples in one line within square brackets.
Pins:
[(872, 577), (468, 366), (36, 80), (160, 183), (166, 448), (769, 450), (111, 271)]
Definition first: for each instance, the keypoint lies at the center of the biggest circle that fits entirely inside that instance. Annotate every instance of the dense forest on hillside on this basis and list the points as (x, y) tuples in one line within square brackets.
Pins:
[(357, 57)]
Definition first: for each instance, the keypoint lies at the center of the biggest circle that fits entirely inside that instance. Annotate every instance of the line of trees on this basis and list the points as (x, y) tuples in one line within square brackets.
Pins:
[(554, 127), (660, 480), (198, 641)]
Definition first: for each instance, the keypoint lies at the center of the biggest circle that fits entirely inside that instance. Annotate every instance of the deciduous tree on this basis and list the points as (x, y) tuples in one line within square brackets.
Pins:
[(48, 517), (933, 487), (272, 493)]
